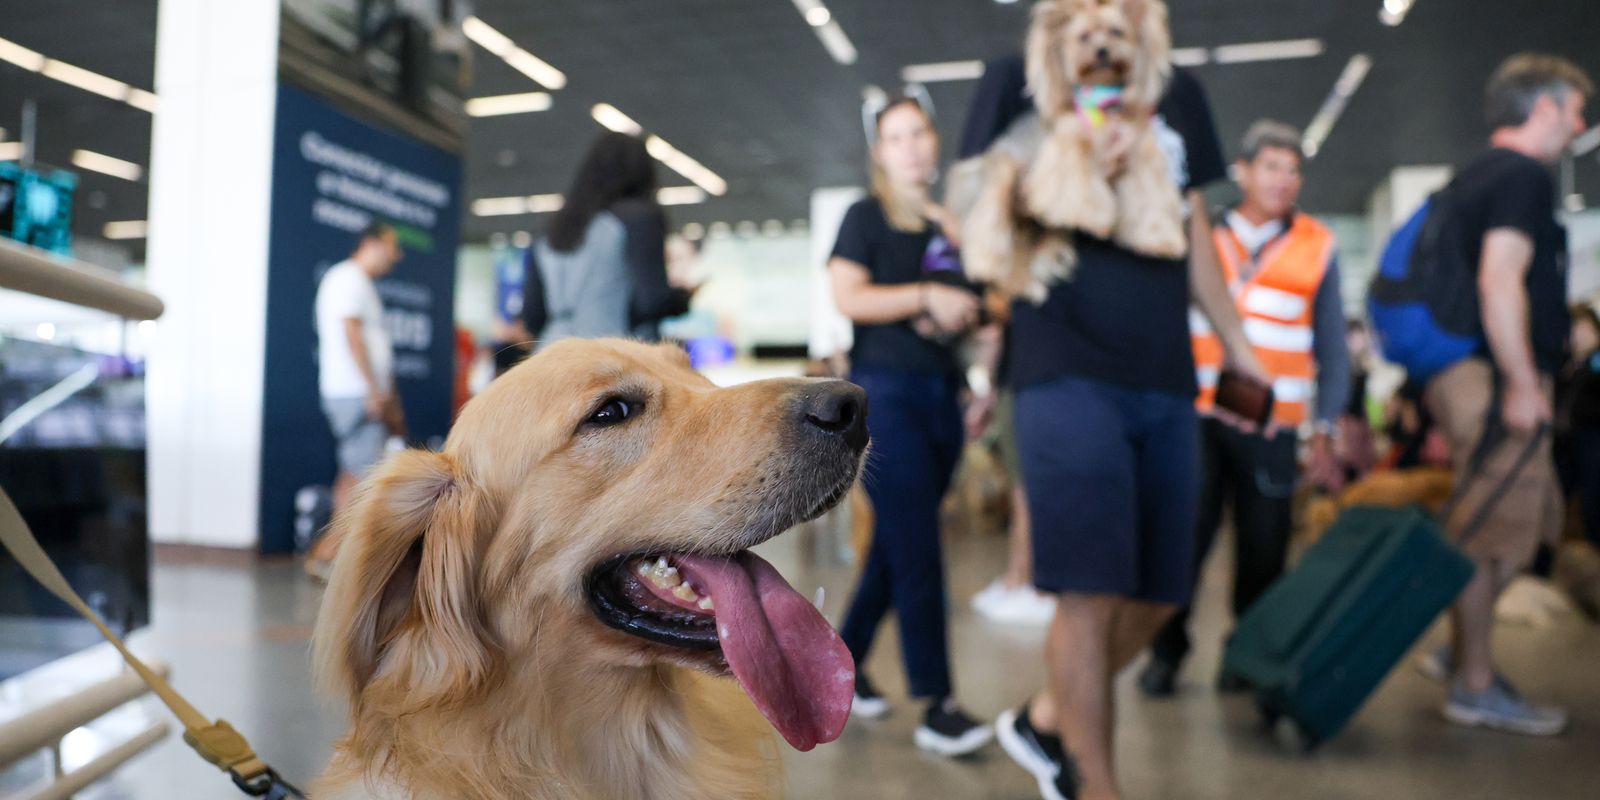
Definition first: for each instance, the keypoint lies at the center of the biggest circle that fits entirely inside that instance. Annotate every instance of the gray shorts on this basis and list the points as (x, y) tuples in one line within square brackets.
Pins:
[(359, 438)]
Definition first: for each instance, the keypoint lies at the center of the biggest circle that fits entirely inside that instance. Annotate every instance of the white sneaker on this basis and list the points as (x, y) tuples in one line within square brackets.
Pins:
[(1020, 606), (994, 593)]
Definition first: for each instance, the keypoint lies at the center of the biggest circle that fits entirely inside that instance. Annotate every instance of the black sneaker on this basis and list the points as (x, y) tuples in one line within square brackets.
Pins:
[(1159, 678), (948, 731), (1041, 754), (869, 704)]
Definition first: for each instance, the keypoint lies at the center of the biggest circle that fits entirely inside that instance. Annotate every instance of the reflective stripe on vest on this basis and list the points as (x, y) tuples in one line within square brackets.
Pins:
[(1277, 306)]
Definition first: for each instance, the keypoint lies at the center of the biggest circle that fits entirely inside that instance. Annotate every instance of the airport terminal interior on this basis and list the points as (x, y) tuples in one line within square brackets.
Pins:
[(1081, 399)]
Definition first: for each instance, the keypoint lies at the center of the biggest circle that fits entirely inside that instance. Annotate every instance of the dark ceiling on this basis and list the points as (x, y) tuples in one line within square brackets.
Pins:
[(745, 87)]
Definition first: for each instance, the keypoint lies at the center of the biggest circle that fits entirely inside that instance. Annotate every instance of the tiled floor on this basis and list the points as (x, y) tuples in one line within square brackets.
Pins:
[(236, 639)]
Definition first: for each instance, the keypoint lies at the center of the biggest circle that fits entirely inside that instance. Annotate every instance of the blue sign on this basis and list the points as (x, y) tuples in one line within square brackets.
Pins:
[(510, 274), (332, 175)]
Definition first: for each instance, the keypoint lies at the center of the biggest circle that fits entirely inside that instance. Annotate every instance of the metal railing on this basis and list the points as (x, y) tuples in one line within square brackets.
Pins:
[(28, 269), (25, 268)]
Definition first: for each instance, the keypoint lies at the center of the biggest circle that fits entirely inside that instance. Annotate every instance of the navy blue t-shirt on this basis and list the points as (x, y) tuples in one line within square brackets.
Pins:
[(1122, 318)]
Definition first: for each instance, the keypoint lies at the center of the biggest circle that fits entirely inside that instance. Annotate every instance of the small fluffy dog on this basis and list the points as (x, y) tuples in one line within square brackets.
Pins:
[(1090, 161), (530, 613)]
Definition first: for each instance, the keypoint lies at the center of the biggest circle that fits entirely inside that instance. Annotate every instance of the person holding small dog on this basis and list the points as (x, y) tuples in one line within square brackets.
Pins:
[(1283, 269), (896, 275), (1101, 353)]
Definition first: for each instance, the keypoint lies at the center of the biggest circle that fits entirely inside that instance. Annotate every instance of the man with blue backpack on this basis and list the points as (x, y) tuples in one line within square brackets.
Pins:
[(1471, 300)]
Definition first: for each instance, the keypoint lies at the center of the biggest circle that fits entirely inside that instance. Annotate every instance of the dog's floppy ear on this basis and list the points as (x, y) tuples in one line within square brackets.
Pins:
[(1148, 80), (1045, 58), (401, 622)]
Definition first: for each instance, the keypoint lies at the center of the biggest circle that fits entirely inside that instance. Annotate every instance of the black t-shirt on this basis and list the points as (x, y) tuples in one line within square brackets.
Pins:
[(1122, 318), (1506, 189), (895, 257)]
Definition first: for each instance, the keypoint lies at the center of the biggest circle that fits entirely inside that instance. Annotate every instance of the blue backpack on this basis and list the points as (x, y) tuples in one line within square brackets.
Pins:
[(1424, 299)]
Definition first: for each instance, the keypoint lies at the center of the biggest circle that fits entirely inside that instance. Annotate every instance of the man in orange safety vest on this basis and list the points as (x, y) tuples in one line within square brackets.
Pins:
[(1282, 268)]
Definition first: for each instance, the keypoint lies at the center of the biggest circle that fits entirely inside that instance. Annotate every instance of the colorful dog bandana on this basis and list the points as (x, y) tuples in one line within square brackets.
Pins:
[(1094, 101)]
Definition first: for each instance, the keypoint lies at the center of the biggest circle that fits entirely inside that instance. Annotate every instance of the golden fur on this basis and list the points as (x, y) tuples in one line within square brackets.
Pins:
[(455, 622), (1111, 181)]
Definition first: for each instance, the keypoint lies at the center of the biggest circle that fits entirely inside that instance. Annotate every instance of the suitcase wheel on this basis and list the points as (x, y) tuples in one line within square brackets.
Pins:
[(1309, 742), (1269, 715)]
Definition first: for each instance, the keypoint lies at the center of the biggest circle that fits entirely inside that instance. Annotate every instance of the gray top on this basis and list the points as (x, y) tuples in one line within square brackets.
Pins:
[(586, 291)]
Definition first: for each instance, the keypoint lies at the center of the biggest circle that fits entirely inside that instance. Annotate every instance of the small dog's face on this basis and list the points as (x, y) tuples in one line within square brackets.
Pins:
[(1100, 45), (598, 501), (1098, 42)]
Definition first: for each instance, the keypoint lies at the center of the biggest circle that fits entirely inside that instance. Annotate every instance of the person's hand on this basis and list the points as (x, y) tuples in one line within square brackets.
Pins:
[(394, 416), (979, 413), (1524, 407), (1322, 464), (952, 309), (1249, 366), (377, 403)]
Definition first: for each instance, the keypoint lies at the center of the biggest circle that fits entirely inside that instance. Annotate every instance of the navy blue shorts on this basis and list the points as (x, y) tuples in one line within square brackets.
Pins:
[(1113, 479)]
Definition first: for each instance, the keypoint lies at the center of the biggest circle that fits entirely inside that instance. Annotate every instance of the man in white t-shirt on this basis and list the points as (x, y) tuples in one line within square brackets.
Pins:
[(356, 367)]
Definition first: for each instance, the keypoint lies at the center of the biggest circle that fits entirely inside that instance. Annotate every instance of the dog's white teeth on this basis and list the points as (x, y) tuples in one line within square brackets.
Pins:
[(661, 564), (819, 597), (706, 604), (683, 592)]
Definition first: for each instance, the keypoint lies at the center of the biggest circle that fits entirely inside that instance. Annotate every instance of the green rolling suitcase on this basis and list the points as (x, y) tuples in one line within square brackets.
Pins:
[(1321, 638), (1317, 643)]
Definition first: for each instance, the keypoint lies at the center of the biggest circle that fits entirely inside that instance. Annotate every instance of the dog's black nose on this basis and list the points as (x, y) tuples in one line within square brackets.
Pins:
[(1102, 55), (837, 408)]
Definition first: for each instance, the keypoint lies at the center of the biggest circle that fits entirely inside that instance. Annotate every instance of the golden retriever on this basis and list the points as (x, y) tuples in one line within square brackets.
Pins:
[(521, 615)]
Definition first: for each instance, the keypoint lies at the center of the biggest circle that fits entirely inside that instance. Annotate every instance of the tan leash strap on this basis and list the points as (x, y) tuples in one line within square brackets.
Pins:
[(216, 742)]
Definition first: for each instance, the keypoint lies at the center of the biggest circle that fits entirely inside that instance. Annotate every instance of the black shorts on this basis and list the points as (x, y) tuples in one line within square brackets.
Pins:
[(1113, 486)]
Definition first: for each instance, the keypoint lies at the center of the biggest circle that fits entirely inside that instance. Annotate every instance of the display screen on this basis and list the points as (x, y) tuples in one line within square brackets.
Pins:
[(72, 459)]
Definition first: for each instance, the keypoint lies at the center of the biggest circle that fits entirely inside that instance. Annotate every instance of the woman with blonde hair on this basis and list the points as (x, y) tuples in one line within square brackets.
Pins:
[(897, 277)]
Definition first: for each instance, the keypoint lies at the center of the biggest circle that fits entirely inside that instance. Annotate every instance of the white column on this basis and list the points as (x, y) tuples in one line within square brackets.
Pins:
[(210, 191), (830, 330)]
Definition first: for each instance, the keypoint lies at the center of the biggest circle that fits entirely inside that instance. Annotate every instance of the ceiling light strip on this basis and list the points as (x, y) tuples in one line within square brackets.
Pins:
[(502, 104), (126, 229), (1393, 12), (547, 203), (686, 166), (611, 118), (943, 71), (1267, 51), (517, 58), (832, 36), (76, 76), (107, 165), (1350, 79)]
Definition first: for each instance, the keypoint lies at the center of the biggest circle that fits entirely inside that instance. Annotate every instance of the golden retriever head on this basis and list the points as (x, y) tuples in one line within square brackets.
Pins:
[(592, 509), (1098, 42)]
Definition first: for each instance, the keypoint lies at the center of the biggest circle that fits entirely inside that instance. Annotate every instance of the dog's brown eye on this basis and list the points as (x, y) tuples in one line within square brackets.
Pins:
[(1117, 33), (611, 412)]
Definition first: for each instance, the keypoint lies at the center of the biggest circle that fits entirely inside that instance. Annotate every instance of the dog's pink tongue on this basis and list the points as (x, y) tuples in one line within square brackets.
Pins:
[(785, 655)]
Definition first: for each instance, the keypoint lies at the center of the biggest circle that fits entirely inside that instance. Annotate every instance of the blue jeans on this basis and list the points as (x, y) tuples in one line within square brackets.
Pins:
[(916, 441)]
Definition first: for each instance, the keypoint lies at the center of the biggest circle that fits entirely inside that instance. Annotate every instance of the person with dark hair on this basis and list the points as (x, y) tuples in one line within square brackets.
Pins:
[(355, 369), (896, 276), (1499, 230), (600, 269), (1282, 266), (1578, 420)]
